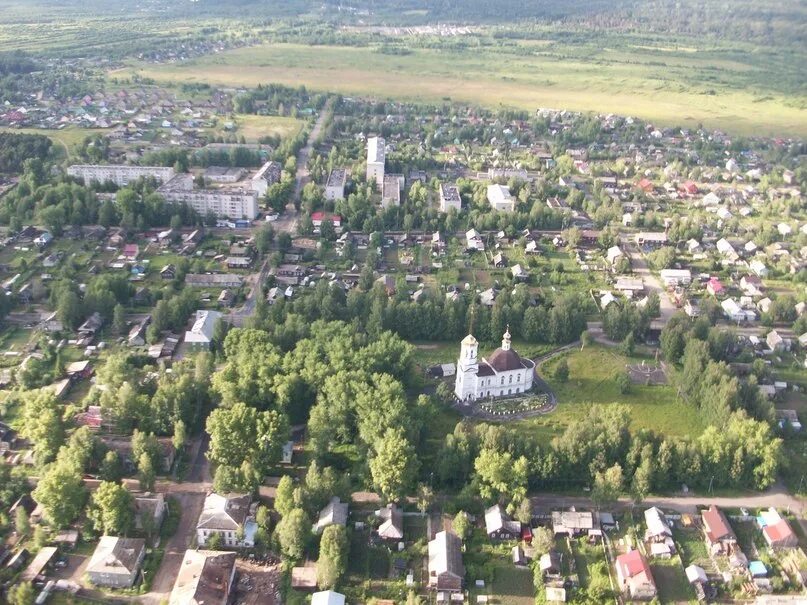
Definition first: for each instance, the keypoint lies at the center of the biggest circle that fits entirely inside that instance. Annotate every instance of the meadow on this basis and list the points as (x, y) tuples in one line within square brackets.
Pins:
[(723, 88), (591, 381)]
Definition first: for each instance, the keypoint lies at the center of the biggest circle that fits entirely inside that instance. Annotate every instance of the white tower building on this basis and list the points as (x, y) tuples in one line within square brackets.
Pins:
[(504, 374)]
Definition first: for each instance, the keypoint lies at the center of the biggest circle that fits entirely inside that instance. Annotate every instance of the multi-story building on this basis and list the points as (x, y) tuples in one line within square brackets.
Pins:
[(450, 197), (230, 518), (500, 198), (269, 174), (376, 150), (391, 191), (335, 188), (233, 203), (121, 175)]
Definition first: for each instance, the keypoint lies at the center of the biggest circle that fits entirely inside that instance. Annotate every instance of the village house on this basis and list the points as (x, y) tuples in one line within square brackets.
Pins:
[(228, 517), (213, 280), (573, 523), (150, 511), (658, 533), (334, 513), (719, 536), (391, 527), (777, 531), (446, 571), (116, 562), (675, 277), (205, 578), (634, 578), (200, 336), (327, 597), (335, 187), (499, 526)]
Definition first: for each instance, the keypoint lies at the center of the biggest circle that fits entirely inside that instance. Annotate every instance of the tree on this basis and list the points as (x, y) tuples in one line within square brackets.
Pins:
[(61, 493), (543, 540), (607, 485), (145, 472), (623, 382), (22, 594), (21, 524), (561, 372), (284, 496), (333, 552), (642, 477), (586, 339), (501, 478), (112, 509), (214, 541), (461, 525), (424, 497), (394, 465), (292, 534), (42, 423), (111, 468), (523, 513), (264, 237), (242, 434), (119, 320)]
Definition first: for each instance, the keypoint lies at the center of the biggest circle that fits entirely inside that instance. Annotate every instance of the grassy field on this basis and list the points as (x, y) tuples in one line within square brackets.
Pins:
[(672, 582), (591, 381), (688, 86), (253, 128), (67, 138)]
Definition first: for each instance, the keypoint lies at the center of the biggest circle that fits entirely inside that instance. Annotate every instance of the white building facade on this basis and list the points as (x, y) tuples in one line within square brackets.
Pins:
[(376, 155), (119, 174), (504, 374)]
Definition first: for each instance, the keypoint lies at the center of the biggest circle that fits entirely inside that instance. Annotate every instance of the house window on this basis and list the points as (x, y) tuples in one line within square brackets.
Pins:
[(502, 380), (511, 379), (518, 378)]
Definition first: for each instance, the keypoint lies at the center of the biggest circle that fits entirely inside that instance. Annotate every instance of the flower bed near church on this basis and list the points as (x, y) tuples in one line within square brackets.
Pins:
[(508, 407)]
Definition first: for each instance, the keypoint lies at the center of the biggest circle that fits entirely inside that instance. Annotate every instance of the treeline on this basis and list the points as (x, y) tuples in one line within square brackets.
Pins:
[(277, 99), (183, 159), (16, 148), (705, 380), (557, 320), (601, 451)]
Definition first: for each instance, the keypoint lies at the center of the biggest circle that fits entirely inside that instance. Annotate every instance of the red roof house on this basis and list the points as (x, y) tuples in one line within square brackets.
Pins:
[(715, 287), (634, 576), (131, 251), (689, 187), (719, 535), (780, 535), (645, 185)]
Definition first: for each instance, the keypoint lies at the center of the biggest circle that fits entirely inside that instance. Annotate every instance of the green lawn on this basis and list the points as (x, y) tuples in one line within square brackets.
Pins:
[(673, 586), (591, 381), (512, 585), (674, 88)]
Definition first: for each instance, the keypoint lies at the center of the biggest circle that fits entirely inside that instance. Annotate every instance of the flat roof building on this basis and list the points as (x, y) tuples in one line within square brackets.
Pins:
[(267, 175), (205, 578), (231, 202), (500, 199), (376, 156), (450, 197), (121, 175), (391, 192), (335, 187)]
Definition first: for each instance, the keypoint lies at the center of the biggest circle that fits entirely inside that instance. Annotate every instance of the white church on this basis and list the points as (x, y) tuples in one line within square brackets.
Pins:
[(505, 373)]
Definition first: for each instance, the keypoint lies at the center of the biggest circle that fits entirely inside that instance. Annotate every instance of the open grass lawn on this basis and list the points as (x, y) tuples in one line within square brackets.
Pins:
[(66, 138), (512, 585), (682, 89), (692, 547), (252, 128), (591, 381), (671, 580)]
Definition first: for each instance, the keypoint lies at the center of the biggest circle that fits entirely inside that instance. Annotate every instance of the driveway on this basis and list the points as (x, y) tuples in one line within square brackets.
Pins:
[(191, 506)]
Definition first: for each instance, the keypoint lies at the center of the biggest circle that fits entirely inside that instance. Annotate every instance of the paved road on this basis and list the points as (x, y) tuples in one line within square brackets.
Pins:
[(651, 282), (255, 281), (288, 222)]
